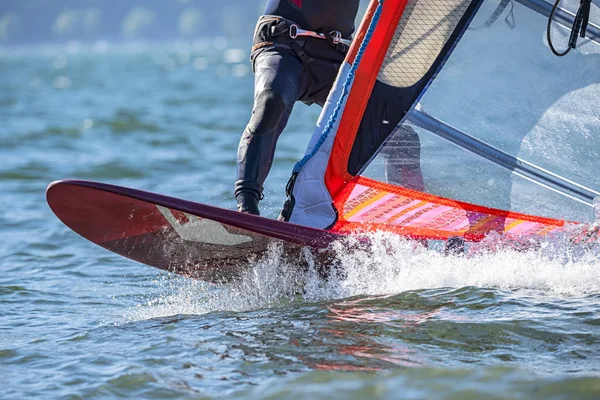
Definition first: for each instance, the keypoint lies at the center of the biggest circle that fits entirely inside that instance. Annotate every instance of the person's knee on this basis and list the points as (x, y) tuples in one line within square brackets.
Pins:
[(268, 110)]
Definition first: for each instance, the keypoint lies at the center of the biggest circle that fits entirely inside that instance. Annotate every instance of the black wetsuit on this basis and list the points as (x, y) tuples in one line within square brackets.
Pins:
[(282, 78), (317, 15)]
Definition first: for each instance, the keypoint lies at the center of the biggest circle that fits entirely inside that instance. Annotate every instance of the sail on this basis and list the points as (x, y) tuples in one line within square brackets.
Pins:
[(454, 118)]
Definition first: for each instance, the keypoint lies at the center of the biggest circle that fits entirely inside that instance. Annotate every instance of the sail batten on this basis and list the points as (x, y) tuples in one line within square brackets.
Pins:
[(528, 170)]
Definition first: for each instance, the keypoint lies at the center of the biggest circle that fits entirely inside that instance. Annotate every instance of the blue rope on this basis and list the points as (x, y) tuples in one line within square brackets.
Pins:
[(345, 90)]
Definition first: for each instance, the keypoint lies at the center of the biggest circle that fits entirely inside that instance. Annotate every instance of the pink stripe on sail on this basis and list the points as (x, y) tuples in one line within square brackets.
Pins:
[(388, 204), (455, 220), (400, 209), (523, 227), (357, 191), (395, 207), (459, 225), (430, 215), (358, 217), (427, 220), (410, 214)]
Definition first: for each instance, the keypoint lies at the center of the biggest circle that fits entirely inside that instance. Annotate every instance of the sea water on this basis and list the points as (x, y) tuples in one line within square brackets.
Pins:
[(394, 320)]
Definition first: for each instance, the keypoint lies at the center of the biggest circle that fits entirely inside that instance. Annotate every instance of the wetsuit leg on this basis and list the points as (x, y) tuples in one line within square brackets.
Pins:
[(279, 80), (402, 157)]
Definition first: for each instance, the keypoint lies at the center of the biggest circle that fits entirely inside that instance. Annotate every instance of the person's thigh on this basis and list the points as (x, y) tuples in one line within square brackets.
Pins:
[(279, 71)]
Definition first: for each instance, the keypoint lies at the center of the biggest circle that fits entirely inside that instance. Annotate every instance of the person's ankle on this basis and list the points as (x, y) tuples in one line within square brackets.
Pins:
[(247, 202)]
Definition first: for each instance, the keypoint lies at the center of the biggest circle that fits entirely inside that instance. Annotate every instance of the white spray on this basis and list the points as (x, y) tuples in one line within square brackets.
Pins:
[(389, 264)]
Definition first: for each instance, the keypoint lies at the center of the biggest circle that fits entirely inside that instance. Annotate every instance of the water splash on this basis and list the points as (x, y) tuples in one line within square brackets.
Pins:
[(392, 264), (274, 280), (385, 264)]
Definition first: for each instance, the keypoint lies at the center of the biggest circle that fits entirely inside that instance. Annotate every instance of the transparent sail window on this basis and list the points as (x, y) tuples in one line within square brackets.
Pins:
[(504, 87)]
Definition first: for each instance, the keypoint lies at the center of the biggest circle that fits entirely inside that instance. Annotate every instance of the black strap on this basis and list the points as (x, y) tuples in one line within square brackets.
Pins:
[(278, 31), (579, 26), (305, 58), (290, 201), (333, 38)]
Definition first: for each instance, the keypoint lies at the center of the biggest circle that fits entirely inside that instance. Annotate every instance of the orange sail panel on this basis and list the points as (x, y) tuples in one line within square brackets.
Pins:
[(368, 205)]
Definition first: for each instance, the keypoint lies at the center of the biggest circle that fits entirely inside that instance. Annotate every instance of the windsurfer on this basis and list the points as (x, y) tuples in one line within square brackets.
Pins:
[(297, 50)]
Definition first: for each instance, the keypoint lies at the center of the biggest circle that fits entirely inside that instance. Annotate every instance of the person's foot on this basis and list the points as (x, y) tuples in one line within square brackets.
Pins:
[(247, 203), (455, 246)]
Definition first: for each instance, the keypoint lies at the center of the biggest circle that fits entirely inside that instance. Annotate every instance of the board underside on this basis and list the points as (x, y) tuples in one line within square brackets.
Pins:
[(175, 235)]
